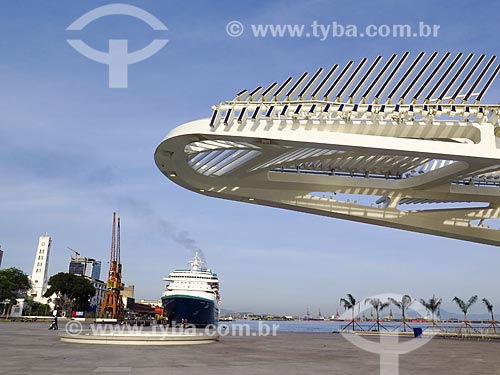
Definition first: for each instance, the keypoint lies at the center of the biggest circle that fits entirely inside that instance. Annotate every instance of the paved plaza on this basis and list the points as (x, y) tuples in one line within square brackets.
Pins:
[(30, 348)]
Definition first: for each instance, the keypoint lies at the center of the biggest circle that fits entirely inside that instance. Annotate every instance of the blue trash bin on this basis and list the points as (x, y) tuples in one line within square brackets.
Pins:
[(417, 332)]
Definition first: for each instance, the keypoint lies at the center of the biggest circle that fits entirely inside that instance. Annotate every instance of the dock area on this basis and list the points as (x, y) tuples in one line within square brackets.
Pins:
[(32, 348)]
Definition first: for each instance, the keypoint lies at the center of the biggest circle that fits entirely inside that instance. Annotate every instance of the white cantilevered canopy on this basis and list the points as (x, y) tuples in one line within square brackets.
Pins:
[(403, 143)]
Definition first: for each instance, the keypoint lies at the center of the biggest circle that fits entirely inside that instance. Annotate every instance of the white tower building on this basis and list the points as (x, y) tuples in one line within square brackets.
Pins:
[(39, 276)]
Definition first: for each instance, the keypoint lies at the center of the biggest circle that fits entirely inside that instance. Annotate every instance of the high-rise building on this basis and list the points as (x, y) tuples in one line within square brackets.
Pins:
[(39, 276), (84, 266), (1, 256), (91, 269)]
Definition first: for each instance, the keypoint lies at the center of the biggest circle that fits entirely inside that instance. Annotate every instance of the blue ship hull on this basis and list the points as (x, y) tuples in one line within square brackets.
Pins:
[(196, 311)]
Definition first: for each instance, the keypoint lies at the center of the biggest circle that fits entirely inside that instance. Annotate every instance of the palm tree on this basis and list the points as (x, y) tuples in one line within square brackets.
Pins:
[(489, 307), (378, 305), (403, 305), (432, 305), (349, 303), (464, 306)]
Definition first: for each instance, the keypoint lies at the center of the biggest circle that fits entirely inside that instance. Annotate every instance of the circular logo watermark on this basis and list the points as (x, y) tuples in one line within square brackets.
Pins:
[(235, 29), (73, 328), (389, 347)]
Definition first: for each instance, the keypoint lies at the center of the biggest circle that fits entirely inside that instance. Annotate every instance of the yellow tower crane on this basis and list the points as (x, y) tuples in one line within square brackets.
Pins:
[(112, 306)]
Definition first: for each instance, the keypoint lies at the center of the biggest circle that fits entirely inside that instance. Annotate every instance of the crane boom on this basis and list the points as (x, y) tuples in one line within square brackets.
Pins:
[(76, 252)]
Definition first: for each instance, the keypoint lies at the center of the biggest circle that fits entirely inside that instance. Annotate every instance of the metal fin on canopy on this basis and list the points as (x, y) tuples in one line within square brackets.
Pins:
[(443, 77), (308, 87), (399, 86), (391, 76), (379, 76), (430, 77), (277, 94), (351, 79), (467, 77), (338, 80), (487, 84), (324, 82), (363, 80), (295, 88), (405, 77), (478, 79), (418, 76), (455, 77)]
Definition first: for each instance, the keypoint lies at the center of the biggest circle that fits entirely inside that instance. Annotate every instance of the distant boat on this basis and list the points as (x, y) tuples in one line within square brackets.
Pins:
[(309, 317), (337, 317)]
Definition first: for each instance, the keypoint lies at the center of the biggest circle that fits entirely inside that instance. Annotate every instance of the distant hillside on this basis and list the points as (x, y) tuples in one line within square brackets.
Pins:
[(448, 315), (226, 311)]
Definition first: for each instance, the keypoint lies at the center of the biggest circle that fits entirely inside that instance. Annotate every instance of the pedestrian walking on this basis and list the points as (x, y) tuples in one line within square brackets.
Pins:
[(54, 325)]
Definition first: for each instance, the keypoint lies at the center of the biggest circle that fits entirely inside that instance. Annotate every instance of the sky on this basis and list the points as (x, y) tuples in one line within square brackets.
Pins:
[(73, 150)]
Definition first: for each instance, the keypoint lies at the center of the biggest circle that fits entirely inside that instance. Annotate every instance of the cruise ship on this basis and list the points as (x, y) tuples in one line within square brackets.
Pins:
[(192, 296)]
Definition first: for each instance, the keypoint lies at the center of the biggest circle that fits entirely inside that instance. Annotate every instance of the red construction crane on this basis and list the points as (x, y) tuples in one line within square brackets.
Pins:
[(112, 306)]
